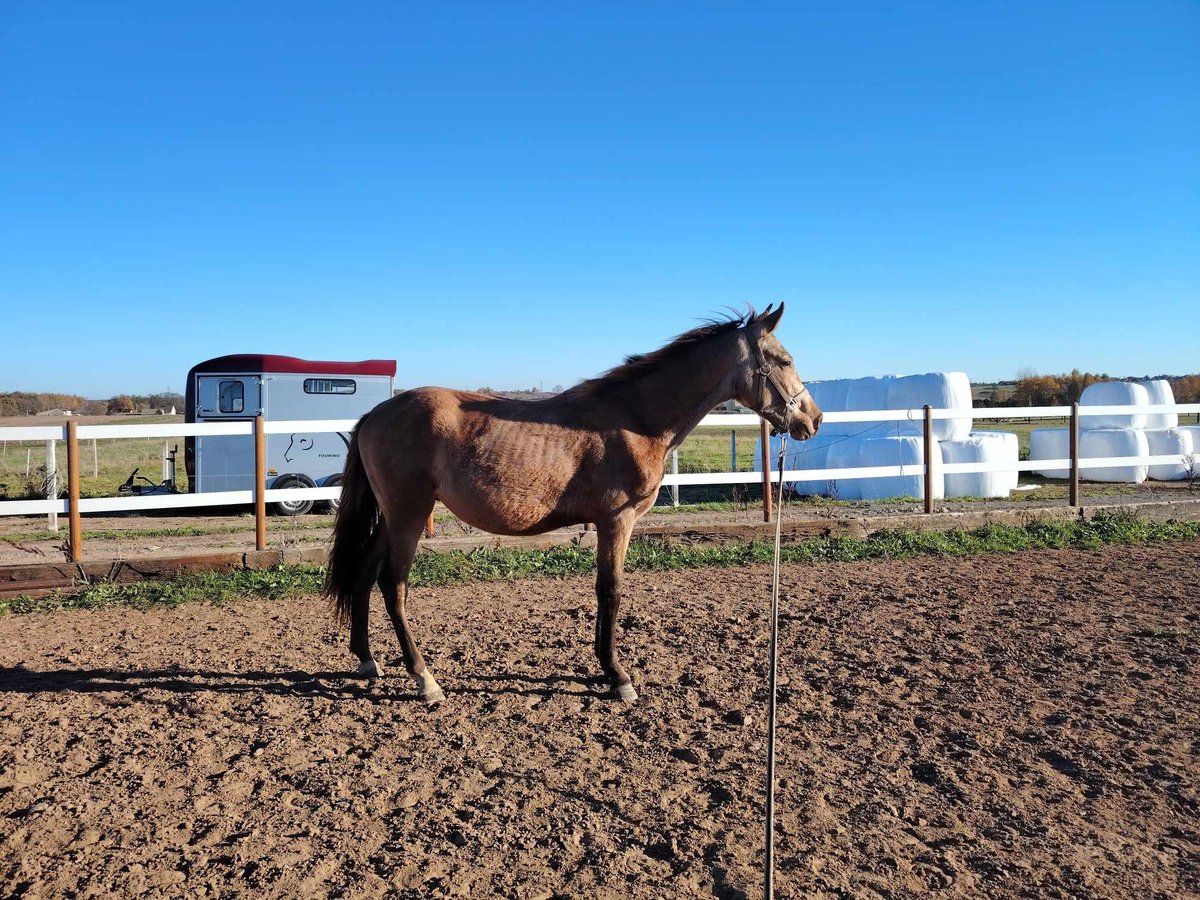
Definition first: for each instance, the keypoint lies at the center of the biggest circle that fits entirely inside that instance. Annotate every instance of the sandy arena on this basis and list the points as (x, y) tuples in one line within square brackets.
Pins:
[(1007, 726)]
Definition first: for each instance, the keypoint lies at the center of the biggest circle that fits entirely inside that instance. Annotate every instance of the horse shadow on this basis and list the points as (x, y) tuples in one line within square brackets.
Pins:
[(336, 686)]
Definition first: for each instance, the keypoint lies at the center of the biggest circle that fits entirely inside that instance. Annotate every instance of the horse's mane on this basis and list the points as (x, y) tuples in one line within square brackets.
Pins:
[(639, 365)]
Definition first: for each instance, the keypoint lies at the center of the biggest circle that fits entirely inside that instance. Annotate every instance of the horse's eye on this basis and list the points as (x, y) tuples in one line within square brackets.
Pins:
[(786, 363)]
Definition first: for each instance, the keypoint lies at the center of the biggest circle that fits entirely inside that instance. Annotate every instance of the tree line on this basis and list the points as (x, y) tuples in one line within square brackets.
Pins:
[(1031, 389), (26, 403)]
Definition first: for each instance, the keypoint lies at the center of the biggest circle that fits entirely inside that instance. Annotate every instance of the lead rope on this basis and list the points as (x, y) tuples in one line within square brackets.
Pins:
[(769, 886)]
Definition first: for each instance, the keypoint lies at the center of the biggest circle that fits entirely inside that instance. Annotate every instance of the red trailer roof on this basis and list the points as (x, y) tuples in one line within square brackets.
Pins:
[(267, 362)]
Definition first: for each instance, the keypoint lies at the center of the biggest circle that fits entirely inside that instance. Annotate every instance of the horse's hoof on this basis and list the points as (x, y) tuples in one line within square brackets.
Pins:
[(626, 693), (429, 690), (369, 669), (433, 697)]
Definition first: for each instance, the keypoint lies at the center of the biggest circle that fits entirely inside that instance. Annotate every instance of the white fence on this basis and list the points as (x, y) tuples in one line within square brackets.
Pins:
[(729, 421)]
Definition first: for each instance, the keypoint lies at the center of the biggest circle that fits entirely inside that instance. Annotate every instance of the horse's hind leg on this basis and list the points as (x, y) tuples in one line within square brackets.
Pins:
[(360, 604), (393, 581)]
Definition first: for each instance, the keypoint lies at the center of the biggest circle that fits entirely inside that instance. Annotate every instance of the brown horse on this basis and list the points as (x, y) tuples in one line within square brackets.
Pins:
[(594, 453)]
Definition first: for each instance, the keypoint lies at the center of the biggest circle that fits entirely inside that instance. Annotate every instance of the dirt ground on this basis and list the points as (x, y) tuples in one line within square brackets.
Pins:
[(1007, 726)]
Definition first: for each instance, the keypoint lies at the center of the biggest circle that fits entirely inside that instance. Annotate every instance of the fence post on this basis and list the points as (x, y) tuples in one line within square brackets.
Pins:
[(73, 492), (1075, 453), (95, 460), (766, 468), (675, 471), (260, 484), (732, 449), (928, 459), (52, 482)]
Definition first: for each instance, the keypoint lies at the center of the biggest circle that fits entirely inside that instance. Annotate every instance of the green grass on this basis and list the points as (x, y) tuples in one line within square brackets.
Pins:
[(99, 474), (435, 569)]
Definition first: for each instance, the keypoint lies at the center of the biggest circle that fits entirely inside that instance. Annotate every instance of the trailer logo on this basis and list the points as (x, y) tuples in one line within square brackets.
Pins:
[(304, 444)]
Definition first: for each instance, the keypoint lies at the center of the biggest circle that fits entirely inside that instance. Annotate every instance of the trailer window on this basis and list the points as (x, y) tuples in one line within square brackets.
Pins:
[(232, 397), (329, 386)]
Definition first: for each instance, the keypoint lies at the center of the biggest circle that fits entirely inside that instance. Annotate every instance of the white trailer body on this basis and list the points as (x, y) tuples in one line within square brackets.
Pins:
[(280, 388)]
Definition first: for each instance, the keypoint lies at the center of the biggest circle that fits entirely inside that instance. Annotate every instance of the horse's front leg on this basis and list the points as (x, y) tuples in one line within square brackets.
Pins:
[(612, 540)]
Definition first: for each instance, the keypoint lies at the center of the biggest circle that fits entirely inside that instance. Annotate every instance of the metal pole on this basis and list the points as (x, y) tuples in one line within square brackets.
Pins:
[(766, 468), (95, 460), (675, 471), (732, 450), (928, 459), (73, 492), (1075, 453), (260, 484), (52, 483), (28, 459)]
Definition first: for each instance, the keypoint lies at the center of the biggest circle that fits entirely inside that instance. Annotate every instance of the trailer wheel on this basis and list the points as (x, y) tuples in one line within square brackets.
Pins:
[(292, 507), (331, 506)]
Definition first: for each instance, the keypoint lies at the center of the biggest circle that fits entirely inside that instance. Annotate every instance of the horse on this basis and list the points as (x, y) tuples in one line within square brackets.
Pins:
[(591, 454)]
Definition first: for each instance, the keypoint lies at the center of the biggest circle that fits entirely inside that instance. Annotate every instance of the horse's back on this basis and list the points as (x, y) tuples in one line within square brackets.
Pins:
[(506, 466)]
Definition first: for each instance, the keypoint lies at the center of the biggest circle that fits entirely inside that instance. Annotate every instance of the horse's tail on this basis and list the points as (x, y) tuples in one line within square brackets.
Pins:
[(355, 526)]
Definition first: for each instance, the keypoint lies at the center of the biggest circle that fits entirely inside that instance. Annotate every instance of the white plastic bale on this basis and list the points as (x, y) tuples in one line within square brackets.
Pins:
[(1010, 452), (844, 455), (1113, 393), (1050, 443), (1160, 395), (1055, 443), (868, 393), (939, 390), (990, 447), (1099, 443), (1192, 463), (1170, 442), (899, 451), (830, 396)]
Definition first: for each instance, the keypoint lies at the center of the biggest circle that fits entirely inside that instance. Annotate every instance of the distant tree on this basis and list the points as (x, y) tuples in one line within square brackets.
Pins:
[(121, 404)]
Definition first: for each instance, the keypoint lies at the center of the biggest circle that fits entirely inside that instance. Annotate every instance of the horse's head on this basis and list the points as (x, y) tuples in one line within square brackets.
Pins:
[(770, 385)]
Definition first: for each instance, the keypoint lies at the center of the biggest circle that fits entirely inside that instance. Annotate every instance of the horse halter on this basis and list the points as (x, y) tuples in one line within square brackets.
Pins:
[(767, 371)]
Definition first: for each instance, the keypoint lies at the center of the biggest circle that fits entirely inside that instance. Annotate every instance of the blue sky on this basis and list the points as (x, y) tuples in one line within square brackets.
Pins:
[(505, 195)]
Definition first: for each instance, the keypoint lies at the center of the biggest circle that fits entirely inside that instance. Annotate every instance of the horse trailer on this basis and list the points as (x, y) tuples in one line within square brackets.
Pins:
[(241, 387)]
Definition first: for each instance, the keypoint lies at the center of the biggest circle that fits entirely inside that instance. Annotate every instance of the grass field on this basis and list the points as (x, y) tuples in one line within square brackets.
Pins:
[(105, 464)]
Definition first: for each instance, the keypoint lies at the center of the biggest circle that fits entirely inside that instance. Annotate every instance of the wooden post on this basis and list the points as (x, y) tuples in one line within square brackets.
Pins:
[(430, 527), (1075, 454), (73, 492), (766, 468), (928, 459), (260, 484)]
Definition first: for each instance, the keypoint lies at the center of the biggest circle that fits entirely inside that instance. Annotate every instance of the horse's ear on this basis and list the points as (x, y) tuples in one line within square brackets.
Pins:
[(771, 319)]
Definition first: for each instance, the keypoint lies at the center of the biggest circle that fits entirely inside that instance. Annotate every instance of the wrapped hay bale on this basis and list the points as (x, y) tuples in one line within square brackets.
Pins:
[(1055, 443), (940, 390), (899, 451), (1113, 393), (994, 447), (1098, 443), (831, 397), (1160, 394), (1170, 442), (1050, 443), (844, 455)]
